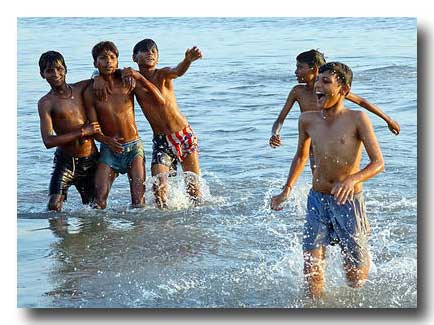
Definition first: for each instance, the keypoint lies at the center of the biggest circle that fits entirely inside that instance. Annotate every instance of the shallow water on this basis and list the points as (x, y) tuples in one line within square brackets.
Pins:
[(233, 251)]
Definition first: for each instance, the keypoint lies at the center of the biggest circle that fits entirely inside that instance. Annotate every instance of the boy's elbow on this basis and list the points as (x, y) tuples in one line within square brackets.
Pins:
[(380, 165), (48, 144)]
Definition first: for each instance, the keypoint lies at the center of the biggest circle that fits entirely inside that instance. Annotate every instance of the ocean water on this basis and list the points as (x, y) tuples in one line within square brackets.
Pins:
[(233, 251)]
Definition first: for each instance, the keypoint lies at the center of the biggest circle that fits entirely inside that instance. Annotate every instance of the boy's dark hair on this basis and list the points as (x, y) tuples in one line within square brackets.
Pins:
[(312, 58), (144, 45), (49, 58), (342, 71), (104, 46)]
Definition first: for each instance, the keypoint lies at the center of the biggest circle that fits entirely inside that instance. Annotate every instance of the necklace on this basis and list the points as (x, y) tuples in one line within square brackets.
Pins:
[(323, 115), (62, 96)]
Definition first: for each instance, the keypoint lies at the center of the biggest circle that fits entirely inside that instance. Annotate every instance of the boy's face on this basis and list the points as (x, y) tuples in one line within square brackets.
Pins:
[(106, 62), (54, 73), (148, 57), (328, 90), (304, 73)]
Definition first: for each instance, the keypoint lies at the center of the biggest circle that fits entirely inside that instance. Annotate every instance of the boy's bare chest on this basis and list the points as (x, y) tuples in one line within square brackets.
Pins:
[(307, 101), (71, 109), (333, 137), (117, 102)]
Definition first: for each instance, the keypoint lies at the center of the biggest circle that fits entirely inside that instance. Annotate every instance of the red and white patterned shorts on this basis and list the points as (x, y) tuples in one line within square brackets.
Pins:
[(183, 143)]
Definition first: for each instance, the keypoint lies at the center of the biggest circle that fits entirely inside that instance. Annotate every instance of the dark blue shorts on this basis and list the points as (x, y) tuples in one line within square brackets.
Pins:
[(328, 223)]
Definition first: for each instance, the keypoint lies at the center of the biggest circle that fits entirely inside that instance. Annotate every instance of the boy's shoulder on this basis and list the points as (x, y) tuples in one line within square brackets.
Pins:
[(164, 71), (81, 85), (356, 114), (298, 88), (45, 100)]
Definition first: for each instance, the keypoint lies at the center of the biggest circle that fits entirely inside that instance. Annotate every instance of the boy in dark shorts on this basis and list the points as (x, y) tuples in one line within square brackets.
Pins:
[(335, 208), (64, 125)]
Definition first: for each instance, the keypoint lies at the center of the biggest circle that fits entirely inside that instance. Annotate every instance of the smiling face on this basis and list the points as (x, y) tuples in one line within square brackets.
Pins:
[(146, 57), (106, 62), (54, 73), (329, 90)]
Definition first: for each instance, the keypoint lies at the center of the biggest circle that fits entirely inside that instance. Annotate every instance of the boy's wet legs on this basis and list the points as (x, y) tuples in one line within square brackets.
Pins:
[(191, 164), (104, 178), (55, 202), (356, 275), (160, 184), (314, 272), (136, 177)]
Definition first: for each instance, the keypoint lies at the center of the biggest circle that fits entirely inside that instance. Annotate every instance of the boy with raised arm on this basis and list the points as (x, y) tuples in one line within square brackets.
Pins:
[(174, 140), (308, 64), (64, 124), (335, 205), (121, 148)]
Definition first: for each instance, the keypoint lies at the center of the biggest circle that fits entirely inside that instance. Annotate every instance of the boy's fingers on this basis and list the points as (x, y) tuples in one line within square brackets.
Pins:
[(333, 190), (343, 197), (338, 193)]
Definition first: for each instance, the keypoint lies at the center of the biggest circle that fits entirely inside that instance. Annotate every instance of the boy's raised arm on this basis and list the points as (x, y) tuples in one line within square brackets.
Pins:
[(297, 165), (393, 125), (275, 140), (191, 55)]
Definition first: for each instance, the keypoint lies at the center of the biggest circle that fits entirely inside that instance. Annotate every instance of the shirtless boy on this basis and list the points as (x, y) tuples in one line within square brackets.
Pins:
[(335, 205), (174, 139), (121, 148), (308, 64), (64, 125)]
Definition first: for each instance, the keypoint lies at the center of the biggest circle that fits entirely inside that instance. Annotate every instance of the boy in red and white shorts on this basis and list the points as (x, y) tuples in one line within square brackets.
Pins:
[(174, 140)]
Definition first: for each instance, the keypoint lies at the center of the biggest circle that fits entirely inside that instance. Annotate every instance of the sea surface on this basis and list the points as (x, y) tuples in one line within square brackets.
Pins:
[(233, 251)]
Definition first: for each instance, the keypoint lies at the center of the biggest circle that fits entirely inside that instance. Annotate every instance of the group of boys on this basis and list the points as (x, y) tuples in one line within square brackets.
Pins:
[(329, 134), (102, 108)]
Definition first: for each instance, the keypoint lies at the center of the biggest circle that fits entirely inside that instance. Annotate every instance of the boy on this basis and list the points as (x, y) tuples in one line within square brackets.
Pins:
[(306, 72), (174, 140), (335, 206), (63, 124), (121, 147)]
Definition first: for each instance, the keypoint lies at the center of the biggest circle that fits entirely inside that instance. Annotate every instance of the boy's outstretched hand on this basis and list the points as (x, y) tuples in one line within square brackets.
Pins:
[(394, 127), (193, 54)]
